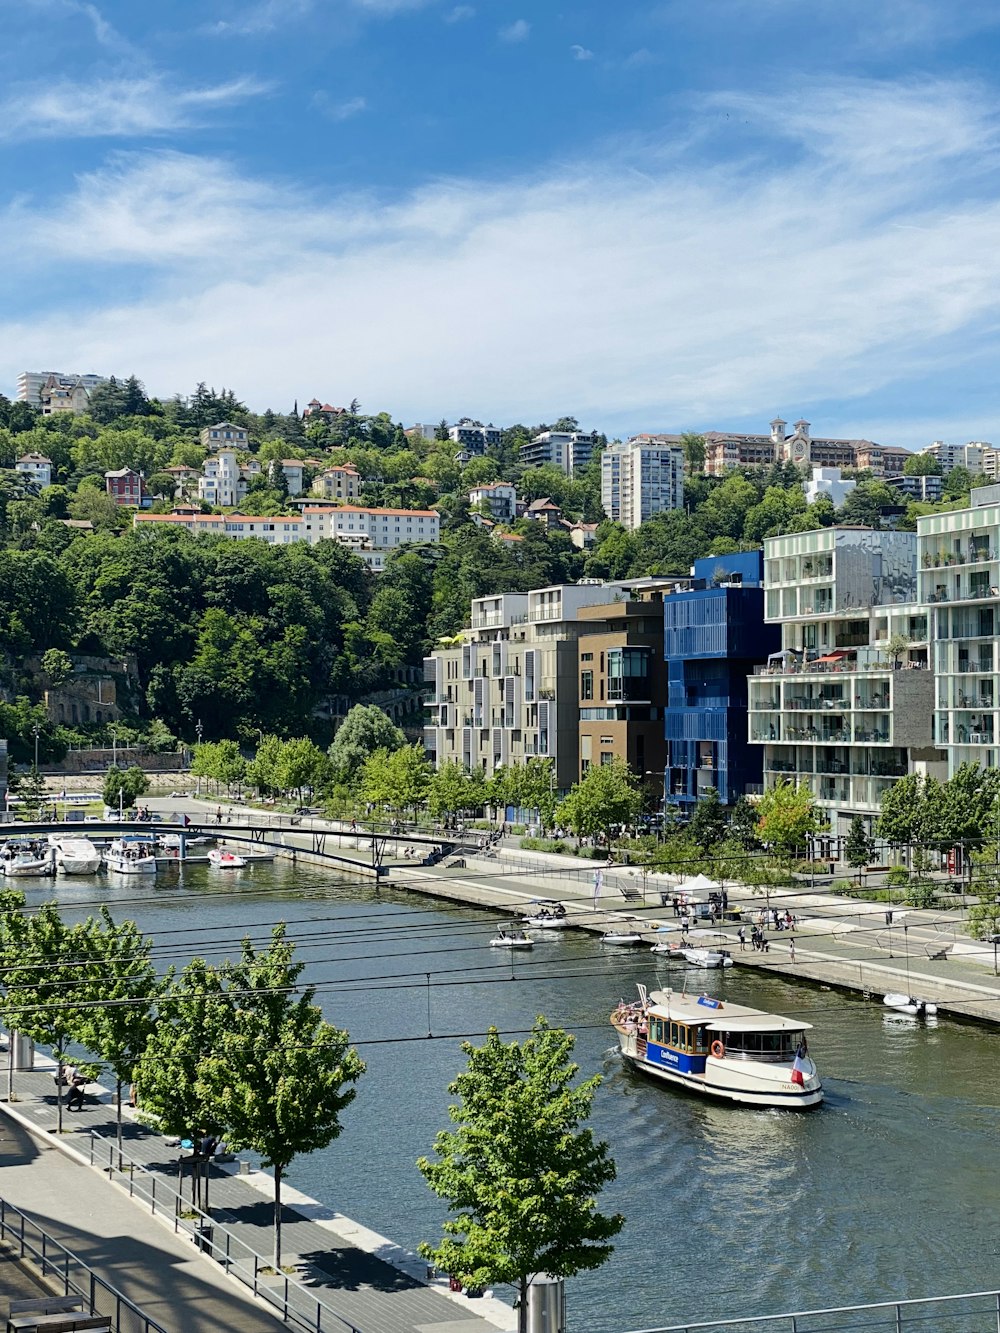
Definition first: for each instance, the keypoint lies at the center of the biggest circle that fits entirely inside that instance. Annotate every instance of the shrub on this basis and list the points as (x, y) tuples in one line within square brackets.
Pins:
[(898, 877)]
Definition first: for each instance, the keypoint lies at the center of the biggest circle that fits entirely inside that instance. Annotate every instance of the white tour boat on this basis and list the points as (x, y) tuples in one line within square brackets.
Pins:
[(75, 856), (224, 860), (909, 1004), (723, 1050), (132, 854), (511, 937)]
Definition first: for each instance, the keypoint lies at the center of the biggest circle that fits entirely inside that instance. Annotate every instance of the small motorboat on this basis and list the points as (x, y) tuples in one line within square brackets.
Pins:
[(670, 948), (132, 854), (224, 860), (909, 1004), (511, 937), (622, 939), (75, 856), (30, 861), (547, 914), (708, 957)]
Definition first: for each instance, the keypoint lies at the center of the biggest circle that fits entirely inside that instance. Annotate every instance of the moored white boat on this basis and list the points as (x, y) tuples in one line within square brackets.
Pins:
[(727, 1051), (511, 937), (75, 856), (707, 957), (132, 854), (909, 1004), (226, 860), (546, 914), (29, 860), (622, 939)]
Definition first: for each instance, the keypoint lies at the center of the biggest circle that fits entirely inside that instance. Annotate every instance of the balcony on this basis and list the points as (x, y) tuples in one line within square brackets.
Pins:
[(788, 668)]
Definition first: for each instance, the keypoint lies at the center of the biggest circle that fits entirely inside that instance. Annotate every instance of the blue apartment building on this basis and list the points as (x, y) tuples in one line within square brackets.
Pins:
[(714, 636)]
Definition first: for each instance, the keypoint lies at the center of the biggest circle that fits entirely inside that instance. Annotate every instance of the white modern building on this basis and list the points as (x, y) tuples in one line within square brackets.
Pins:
[(640, 479), (566, 450), (834, 709), (30, 383), (828, 481), (959, 556), (972, 455), (473, 437), (501, 496), (37, 467)]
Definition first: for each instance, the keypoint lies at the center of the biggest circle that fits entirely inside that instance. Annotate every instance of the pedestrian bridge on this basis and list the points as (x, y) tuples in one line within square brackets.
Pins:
[(280, 833)]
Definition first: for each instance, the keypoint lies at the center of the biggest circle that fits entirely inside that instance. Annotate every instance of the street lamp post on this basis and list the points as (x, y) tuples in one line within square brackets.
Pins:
[(114, 746), (198, 731), (37, 731), (121, 803)]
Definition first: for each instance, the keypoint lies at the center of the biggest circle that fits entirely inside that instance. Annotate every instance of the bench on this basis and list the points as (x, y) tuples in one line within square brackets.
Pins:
[(47, 1305), (67, 1322)]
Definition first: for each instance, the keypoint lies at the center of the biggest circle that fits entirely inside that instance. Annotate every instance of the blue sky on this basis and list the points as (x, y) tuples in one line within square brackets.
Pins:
[(654, 215)]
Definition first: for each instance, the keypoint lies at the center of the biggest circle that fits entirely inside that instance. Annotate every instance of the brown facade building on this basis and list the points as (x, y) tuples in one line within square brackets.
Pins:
[(623, 684)]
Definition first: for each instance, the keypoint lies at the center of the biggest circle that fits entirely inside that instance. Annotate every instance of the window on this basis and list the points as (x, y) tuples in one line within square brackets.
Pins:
[(586, 657), (586, 684), (607, 759)]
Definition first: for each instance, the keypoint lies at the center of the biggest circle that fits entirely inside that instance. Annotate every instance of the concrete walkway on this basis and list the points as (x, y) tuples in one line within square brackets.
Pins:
[(371, 1284), (96, 1221)]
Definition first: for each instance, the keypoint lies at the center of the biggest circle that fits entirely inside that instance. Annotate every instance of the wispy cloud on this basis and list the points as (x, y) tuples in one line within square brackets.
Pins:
[(581, 53), (352, 106), (114, 108), (721, 289), (515, 32), (459, 13)]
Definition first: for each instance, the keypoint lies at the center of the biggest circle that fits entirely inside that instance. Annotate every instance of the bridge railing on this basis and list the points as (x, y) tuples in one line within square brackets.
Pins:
[(284, 1293), (971, 1312), (61, 1266)]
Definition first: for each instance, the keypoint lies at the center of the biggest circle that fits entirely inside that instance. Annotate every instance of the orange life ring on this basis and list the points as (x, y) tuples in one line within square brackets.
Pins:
[(718, 1050)]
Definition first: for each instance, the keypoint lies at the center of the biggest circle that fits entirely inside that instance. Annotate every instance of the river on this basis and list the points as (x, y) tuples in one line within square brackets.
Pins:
[(886, 1191)]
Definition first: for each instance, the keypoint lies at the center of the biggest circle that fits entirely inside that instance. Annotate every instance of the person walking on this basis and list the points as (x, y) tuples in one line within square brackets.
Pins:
[(791, 951), (741, 935)]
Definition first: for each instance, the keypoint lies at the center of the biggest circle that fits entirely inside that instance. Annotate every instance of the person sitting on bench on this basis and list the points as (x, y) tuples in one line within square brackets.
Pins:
[(74, 1101)]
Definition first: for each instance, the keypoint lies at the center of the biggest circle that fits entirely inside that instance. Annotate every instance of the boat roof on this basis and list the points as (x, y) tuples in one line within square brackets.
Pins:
[(720, 1015)]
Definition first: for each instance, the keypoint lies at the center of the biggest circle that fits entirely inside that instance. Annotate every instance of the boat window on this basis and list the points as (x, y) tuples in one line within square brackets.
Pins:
[(656, 1030), (700, 1041), (771, 1046)]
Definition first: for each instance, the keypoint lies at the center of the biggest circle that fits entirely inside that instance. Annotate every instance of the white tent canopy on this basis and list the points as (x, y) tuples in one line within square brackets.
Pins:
[(699, 884)]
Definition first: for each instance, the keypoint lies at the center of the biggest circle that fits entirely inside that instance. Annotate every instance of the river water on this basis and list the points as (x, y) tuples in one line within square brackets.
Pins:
[(888, 1190)]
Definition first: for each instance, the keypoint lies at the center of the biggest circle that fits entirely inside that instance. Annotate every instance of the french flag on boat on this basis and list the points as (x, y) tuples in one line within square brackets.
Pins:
[(802, 1068)]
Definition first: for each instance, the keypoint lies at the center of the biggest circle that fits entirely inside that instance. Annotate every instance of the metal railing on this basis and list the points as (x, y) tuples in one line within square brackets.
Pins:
[(54, 1261), (297, 1305), (974, 1312)]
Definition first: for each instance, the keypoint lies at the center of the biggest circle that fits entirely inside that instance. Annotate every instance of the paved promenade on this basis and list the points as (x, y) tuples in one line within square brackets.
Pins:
[(343, 1265)]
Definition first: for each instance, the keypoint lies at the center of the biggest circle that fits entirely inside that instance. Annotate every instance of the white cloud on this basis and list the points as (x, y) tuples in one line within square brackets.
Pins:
[(691, 293), (515, 32), (459, 13), (581, 53), (353, 106), (114, 108)]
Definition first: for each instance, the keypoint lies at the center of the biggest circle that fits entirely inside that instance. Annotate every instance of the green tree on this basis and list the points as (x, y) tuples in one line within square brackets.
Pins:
[(301, 764), (605, 798), (786, 816), (188, 1024), (262, 771), (365, 729), (399, 779), (694, 451), (124, 785), (42, 981), (118, 985), (57, 666), (922, 465), (859, 848), (280, 1075), (743, 824), (708, 821), (519, 1171), (452, 791), (230, 766)]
